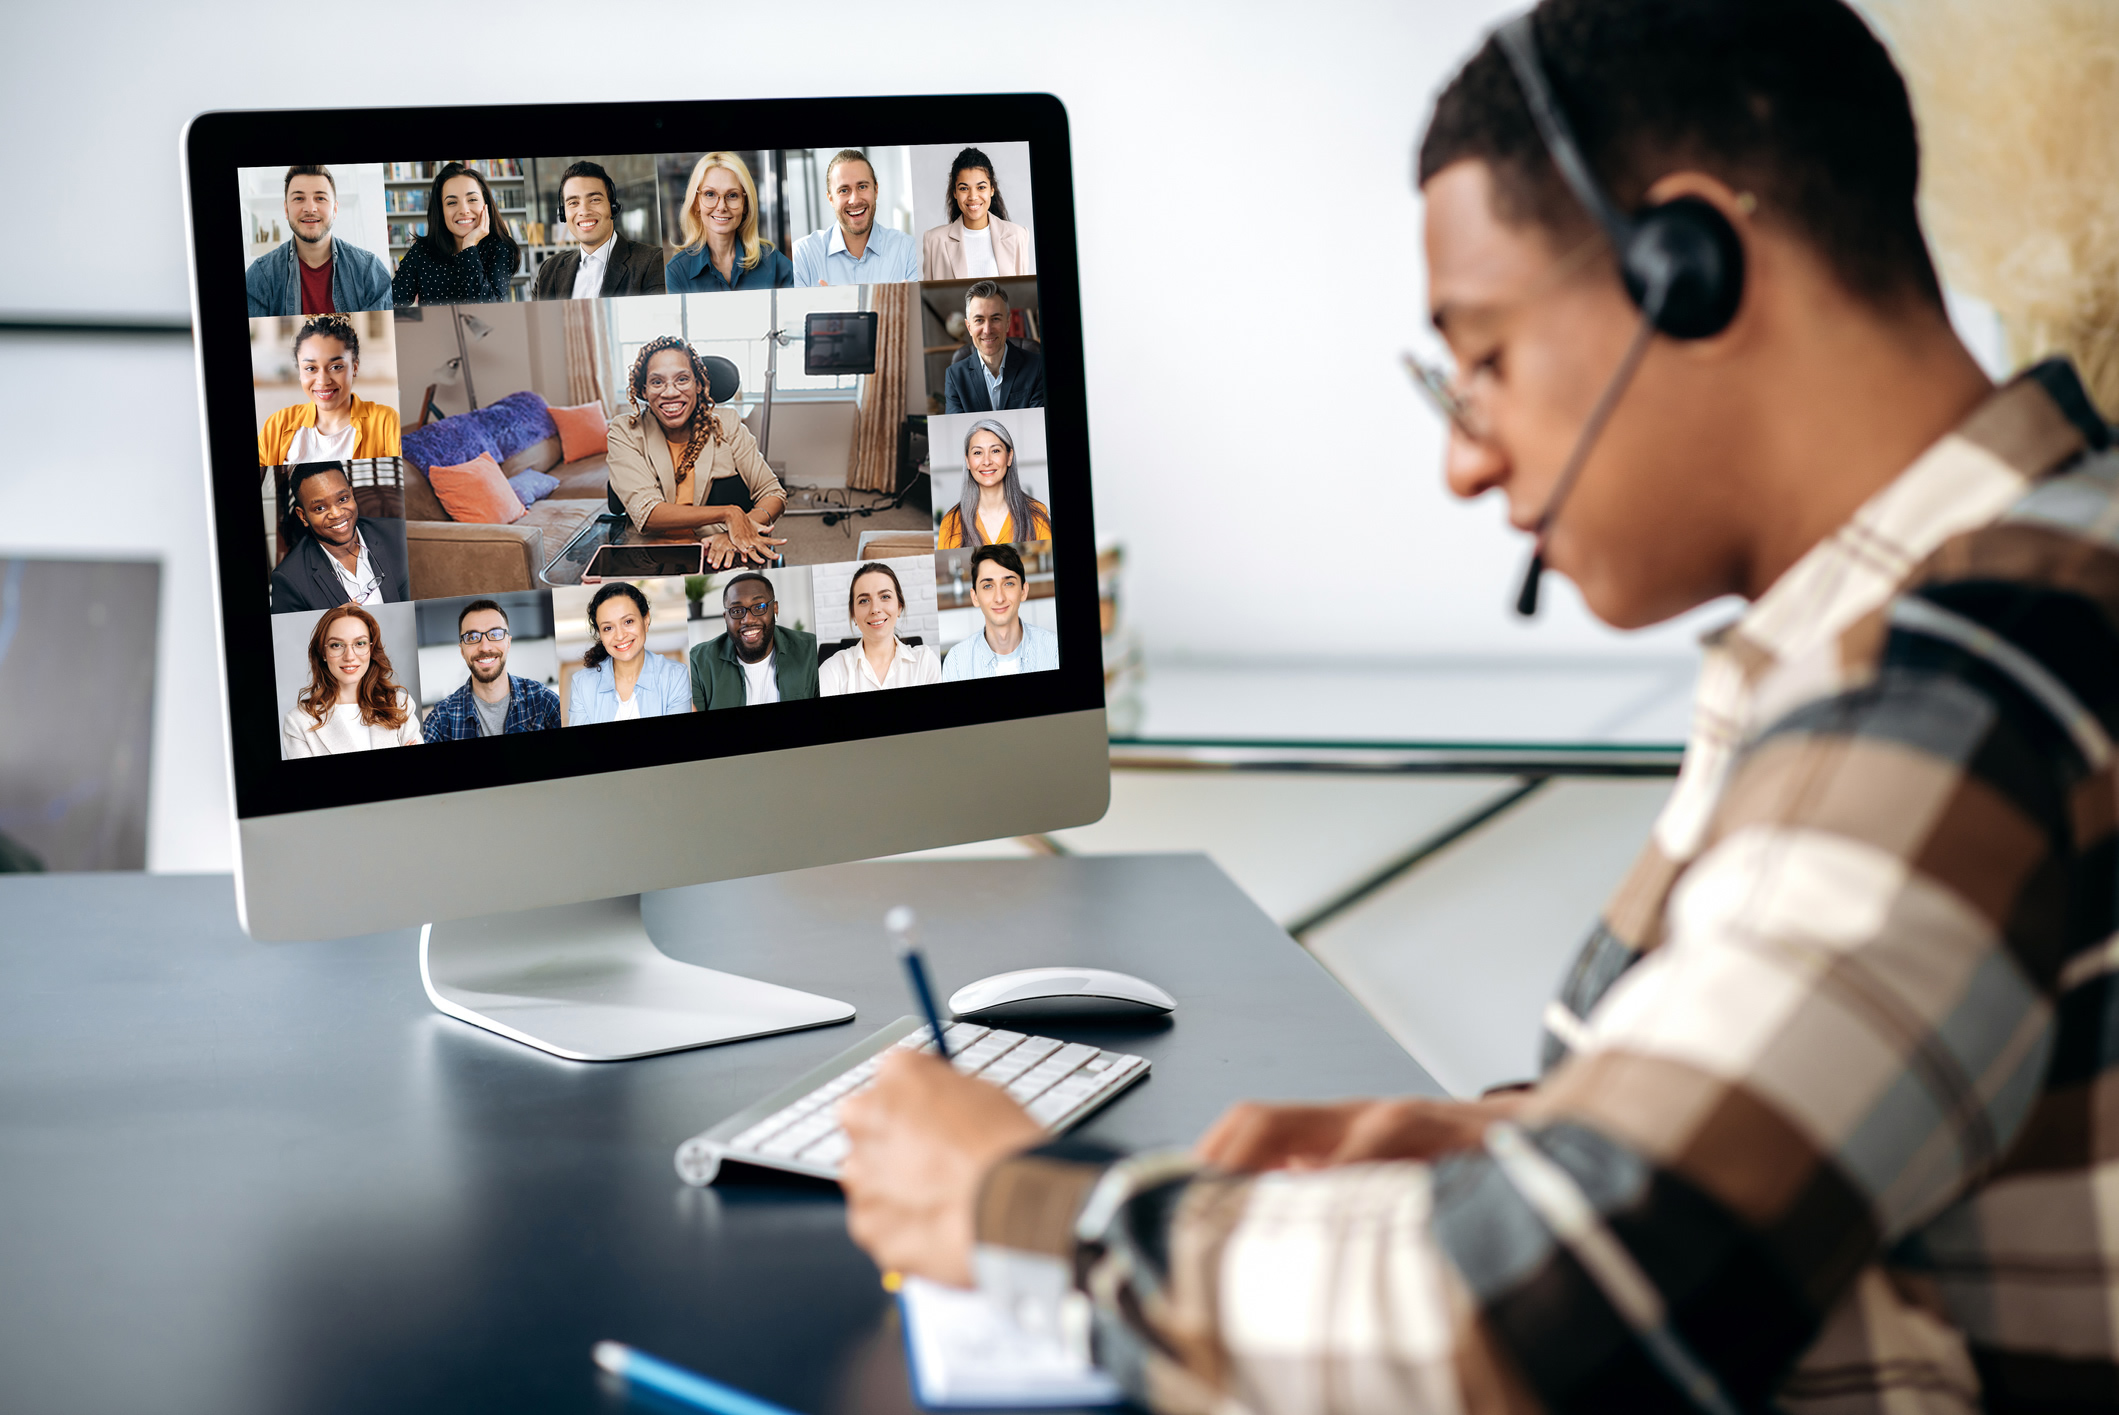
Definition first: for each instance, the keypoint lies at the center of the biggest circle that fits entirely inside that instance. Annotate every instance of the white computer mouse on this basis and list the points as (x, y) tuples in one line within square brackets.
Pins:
[(1059, 992)]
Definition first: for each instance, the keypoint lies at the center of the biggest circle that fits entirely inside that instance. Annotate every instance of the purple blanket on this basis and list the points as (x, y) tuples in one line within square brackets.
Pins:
[(448, 443), (500, 430), (517, 421)]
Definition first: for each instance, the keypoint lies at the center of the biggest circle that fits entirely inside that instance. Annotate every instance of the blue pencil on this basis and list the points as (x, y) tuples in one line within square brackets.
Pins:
[(899, 922), (680, 1384)]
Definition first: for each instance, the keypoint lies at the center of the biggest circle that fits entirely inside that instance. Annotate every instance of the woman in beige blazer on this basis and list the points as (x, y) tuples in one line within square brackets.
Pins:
[(682, 467), (980, 242)]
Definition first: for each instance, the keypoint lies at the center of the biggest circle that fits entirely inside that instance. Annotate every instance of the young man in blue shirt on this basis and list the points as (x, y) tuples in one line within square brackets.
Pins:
[(313, 272), (854, 250), (1007, 644)]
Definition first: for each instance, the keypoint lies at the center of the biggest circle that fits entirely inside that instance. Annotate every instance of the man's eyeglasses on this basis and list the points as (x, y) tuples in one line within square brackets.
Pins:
[(472, 636), (1439, 387), (747, 611)]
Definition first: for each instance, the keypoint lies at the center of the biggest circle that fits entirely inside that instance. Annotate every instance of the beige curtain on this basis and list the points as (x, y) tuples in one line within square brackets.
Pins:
[(589, 377), (873, 465)]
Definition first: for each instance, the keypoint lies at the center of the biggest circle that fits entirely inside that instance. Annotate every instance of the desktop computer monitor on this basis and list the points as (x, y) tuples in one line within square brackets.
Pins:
[(435, 387)]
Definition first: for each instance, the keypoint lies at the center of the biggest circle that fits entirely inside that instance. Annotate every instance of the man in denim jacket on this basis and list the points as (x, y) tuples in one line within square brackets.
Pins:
[(311, 273)]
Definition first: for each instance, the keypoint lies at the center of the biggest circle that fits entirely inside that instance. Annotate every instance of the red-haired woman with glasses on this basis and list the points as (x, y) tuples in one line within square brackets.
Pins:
[(352, 703)]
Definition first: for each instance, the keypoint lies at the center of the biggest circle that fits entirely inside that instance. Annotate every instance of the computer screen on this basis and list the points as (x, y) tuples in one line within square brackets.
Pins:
[(589, 456), (840, 343)]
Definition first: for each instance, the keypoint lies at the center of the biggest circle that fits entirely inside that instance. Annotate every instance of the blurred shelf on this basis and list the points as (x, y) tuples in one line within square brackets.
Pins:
[(1518, 718)]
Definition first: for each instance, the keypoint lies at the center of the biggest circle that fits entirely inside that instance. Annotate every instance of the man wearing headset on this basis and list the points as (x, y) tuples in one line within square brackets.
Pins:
[(601, 262), (1827, 1118)]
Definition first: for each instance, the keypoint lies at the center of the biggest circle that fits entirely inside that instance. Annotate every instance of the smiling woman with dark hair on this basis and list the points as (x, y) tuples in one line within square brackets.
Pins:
[(467, 256), (980, 242), (874, 602), (621, 679), (682, 467), (335, 555), (332, 425)]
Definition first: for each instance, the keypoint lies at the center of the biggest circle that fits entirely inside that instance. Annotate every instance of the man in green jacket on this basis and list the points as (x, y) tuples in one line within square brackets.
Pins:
[(756, 661)]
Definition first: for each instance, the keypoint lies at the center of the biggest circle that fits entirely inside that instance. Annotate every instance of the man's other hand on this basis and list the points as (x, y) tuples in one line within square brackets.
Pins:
[(923, 1139), (1255, 1136)]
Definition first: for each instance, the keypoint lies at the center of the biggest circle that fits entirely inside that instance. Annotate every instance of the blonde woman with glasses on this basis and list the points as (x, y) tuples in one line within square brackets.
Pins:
[(722, 249)]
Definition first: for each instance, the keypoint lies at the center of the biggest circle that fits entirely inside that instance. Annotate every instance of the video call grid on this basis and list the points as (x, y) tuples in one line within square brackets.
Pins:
[(383, 479)]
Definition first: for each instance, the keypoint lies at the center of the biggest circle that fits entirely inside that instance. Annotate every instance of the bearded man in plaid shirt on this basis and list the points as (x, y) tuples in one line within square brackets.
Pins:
[(1830, 1089)]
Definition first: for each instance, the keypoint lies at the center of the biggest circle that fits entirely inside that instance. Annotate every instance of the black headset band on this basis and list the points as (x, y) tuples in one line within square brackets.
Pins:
[(1520, 46)]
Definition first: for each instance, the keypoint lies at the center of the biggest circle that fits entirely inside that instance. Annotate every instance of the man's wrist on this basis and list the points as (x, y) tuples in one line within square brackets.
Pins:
[(1029, 1200)]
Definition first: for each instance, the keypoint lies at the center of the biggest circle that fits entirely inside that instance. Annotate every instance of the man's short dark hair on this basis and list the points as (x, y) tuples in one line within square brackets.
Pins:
[(309, 171), (474, 606), (1002, 555), (985, 290), (303, 471), (749, 575), (586, 168), (1793, 101)]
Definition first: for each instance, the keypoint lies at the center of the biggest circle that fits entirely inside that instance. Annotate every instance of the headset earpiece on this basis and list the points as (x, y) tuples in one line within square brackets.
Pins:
[(1681, 261), (1685, 262)]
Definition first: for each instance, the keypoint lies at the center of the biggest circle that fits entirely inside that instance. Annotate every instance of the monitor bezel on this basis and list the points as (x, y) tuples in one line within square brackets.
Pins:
[(217, 144)]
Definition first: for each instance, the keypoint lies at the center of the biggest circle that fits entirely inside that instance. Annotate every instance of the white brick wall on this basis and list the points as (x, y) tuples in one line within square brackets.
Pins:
[(829, 585)]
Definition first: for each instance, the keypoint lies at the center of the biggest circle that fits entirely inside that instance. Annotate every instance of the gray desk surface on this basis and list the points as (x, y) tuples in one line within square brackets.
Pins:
[(243, 1177)]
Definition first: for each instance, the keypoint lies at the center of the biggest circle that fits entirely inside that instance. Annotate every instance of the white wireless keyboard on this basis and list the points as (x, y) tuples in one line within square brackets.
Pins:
[(796, 1128)]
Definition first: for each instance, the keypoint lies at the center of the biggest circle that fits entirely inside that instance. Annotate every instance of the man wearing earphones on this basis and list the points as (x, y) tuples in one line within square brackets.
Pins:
[(601, 262), (1827, 1117)]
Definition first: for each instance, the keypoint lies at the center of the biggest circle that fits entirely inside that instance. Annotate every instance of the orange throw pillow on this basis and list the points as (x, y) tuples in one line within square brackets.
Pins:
[(583, 431), (476, 491)]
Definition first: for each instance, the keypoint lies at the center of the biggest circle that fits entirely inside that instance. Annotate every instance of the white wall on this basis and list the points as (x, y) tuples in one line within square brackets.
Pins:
[(1222, 97), (1348, 88)]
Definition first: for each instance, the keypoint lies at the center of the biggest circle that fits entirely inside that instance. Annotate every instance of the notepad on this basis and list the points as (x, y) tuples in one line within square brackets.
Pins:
[(978, 1350)]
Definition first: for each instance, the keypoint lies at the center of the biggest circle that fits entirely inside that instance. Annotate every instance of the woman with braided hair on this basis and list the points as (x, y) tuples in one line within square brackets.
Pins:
[(332, 425), (684, 467)]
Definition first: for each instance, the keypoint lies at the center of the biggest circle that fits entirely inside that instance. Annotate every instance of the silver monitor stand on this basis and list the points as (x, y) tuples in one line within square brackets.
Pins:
[(584, 981)]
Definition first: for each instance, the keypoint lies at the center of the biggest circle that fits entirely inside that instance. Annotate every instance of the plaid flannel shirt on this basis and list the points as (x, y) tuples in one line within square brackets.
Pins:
[(1831, 1114), (532, 707)]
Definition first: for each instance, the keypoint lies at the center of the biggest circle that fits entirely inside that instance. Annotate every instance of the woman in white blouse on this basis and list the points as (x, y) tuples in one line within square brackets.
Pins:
[(881, 660), (352, 703), (980, 242)]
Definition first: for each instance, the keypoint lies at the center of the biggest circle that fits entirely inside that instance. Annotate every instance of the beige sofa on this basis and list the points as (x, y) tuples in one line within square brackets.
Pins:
[(450, 557)]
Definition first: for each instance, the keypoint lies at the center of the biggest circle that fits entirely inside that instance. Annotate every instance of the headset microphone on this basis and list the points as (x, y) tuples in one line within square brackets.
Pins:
[(1527, 597), (1681, 261)]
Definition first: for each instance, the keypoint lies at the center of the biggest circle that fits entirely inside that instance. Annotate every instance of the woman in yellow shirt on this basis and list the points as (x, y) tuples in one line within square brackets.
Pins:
[(995, 510), (334, 425)]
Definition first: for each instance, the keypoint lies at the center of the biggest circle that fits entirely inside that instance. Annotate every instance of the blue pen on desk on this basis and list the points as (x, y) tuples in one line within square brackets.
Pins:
[(680, 1384), (899, 922)]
